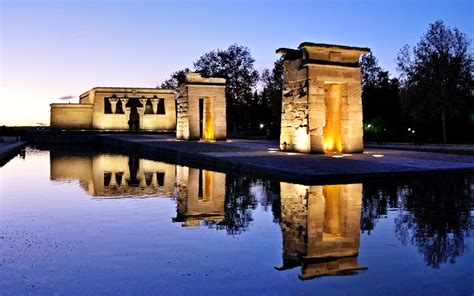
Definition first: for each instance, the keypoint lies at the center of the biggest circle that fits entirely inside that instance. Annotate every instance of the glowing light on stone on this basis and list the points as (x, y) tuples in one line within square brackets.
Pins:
[(378, 155), (322, 94), (208, 119), (302, 140), (332, 130)]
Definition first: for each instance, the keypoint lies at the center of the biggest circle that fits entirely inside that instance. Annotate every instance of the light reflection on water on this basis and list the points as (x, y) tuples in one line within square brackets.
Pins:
[(72, 223)]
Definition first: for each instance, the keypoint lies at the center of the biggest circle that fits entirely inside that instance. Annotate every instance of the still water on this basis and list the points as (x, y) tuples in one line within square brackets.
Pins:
[(95, 223)]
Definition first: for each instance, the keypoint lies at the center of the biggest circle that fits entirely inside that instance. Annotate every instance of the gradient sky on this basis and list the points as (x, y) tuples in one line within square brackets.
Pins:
[(51, 49)]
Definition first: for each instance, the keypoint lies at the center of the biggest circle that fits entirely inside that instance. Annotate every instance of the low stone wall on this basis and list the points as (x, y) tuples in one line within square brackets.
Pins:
[(46, 137), (9, 148), (71, 116)]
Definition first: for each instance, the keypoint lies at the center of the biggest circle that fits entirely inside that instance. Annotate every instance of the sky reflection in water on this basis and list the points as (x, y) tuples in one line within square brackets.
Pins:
[(105, 224)]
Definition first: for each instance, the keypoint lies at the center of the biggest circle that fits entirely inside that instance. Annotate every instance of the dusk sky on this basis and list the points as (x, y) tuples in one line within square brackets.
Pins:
[(52, 49)]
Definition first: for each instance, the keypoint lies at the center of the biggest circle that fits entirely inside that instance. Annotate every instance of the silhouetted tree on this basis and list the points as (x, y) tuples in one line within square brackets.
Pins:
[(376, 200), (435, 217), (380, 100), (236, 65), (172, 82), (433, 214), (272, 83), (436, 76)]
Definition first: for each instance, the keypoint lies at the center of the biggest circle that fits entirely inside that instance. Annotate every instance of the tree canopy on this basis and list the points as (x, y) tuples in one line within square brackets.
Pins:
[(435, 76), (380, 101), (249, 108), (236, 65)]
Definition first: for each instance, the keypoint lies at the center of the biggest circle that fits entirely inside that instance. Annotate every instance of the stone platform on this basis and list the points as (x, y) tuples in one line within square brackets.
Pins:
[(262, 158), (9, 147)]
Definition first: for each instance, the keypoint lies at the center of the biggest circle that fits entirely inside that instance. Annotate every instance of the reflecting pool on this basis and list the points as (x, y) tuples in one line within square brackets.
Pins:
[(100, 223)]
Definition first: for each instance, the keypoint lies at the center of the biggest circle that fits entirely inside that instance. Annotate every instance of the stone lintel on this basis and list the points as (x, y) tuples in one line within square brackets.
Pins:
[(325, 54), (196, 78), (132, 90)]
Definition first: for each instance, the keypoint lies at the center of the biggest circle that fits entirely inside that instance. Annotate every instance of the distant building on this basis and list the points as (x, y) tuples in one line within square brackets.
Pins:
[(117, 108)]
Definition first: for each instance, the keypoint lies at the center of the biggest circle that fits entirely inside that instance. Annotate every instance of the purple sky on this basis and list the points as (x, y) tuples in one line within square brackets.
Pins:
[(52, 49)]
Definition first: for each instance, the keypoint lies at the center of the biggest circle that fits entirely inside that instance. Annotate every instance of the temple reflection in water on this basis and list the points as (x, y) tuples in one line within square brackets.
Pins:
[(112, 176), (200, 196), (321, 228), (320, 225)]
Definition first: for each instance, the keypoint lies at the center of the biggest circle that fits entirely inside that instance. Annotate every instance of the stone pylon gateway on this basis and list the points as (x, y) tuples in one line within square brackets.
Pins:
[(201, 108), (322, 104)]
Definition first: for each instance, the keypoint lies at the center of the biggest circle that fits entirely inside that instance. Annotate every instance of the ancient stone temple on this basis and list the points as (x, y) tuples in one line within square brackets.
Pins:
[(321, 228), (322, 104), (201, 108), (116, 108)]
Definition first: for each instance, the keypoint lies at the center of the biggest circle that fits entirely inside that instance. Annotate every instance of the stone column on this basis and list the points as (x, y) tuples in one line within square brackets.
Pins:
[(154, 180), (141, 113), (143, 101), (113, 103), (113, 181), (125, 109), (154, 104)]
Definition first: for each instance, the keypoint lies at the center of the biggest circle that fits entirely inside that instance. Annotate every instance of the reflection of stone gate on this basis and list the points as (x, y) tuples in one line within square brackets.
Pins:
[(200, 196), (322, 105), (201, 108), (321, 228)]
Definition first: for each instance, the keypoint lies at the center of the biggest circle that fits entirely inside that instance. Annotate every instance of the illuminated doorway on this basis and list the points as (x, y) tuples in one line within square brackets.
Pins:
[(206, 119)]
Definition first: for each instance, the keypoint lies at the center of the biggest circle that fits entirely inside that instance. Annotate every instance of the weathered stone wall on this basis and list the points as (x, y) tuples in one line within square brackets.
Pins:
[(71, 116), (212, 90), (322, 105), (294, 118), (182, 120)]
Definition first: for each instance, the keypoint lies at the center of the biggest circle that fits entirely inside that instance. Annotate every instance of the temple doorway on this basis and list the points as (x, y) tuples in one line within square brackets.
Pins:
[(134, 117), (206, 119), (332, 133)]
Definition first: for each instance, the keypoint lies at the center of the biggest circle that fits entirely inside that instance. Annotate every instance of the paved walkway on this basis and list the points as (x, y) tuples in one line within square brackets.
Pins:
[(442, 148), (263, 158), (9, 147)]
